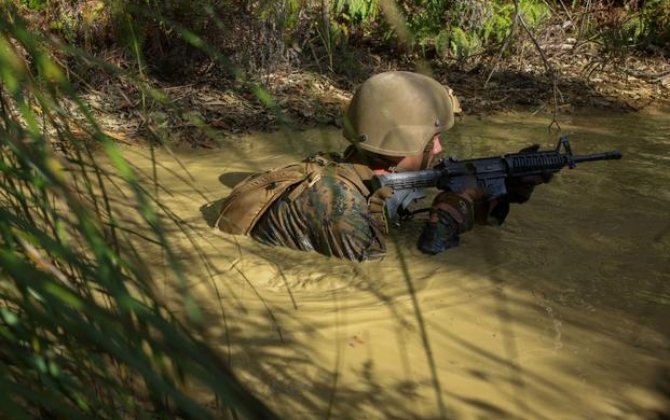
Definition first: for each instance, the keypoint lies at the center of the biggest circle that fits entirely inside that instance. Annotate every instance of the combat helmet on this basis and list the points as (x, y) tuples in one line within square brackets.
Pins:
[(397, 113)]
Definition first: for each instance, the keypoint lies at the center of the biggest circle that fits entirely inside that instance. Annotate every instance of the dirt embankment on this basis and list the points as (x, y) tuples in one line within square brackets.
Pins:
[(206, 108), (189, 95)]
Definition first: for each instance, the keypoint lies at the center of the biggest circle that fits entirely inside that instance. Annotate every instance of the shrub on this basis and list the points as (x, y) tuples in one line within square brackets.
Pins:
[(82, 333)]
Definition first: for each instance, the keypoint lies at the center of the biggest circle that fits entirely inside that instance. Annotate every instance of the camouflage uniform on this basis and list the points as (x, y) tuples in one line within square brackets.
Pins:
[(328, 208), (330, 217)]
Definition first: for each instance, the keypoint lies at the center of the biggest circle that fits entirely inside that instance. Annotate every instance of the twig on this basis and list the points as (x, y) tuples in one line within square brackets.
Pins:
[(547, 65), (505, 43), (549, 68), (178, 87), (565, 9), (652, 77)]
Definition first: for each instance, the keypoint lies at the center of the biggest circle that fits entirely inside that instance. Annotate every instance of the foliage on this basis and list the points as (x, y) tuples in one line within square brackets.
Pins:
[(278, 30), (622, 28), (474, 26), (655, 17), (82, 333), (356, 11), (34, 4)]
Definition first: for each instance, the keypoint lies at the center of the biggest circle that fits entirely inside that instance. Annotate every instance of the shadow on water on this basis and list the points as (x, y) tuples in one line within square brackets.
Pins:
[(259, 345), (210, 211), (579, 268), (281, 380), (230, 179), (663, 387)]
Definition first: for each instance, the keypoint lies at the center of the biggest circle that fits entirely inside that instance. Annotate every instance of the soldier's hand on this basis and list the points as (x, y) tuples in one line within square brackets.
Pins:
[(519, 189), (439, 233), (451, 214)]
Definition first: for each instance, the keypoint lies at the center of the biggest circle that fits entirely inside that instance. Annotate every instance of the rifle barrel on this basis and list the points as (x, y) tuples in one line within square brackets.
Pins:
[(613, 155)]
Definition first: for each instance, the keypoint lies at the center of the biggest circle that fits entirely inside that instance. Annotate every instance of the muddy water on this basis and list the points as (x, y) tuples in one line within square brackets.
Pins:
[(561, 313)]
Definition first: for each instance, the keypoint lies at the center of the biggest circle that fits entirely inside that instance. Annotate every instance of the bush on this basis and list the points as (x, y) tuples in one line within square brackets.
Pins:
[(464, 28), (655, 16), (82, 333)]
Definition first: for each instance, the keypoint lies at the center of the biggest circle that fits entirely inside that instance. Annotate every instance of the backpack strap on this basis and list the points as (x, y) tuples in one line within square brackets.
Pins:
[(376, 199)]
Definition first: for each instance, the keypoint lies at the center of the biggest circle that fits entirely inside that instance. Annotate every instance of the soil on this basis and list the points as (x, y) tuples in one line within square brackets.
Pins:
[(207, 108)]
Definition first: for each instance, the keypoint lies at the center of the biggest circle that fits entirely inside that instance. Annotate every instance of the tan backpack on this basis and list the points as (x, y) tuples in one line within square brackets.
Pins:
[(249, 200)]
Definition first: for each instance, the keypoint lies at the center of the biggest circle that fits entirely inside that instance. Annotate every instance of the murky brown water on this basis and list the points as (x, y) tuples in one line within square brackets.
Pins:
[(562, 313)]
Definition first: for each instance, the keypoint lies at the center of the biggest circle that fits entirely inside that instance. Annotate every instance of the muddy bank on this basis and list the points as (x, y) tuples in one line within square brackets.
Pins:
[(209, 109)]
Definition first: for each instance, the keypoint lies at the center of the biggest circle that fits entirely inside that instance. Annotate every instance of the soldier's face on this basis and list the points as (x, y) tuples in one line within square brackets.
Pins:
[(437, 146), (423, 160)]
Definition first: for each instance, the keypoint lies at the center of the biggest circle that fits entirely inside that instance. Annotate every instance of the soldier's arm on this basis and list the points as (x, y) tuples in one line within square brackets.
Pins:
[(330, 217), (340, 223)]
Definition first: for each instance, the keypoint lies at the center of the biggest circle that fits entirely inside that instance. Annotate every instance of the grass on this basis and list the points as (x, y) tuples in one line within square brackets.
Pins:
[(82, 332)]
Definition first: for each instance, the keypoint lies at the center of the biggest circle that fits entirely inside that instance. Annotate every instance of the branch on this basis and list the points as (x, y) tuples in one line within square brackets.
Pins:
[(548, 67), (505, 43)]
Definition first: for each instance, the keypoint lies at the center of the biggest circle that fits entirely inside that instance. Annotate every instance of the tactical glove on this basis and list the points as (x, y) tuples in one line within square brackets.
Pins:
[(451, 214), (438, 235)]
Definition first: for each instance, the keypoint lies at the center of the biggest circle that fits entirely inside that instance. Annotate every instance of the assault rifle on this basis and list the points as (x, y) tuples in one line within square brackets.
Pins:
[(488, 173)]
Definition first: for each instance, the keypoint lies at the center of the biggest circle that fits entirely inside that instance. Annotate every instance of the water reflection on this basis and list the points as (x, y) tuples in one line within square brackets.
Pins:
[(560, 313)]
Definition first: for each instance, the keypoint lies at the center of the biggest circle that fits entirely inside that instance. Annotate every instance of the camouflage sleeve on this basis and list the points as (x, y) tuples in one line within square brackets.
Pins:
[(330, 217)]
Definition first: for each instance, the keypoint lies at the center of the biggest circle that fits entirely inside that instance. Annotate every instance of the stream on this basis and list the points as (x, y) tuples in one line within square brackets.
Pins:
[(563, 312)]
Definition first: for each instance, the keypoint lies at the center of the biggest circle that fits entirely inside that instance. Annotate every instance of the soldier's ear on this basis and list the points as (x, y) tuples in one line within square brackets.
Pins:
[(455, 103)]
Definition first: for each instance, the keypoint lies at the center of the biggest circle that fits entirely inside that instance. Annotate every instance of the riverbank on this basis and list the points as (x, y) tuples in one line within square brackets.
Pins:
[(211, 109)]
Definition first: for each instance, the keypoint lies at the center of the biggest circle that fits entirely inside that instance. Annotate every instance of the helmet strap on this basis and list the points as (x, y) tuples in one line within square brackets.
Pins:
[(424, 160)]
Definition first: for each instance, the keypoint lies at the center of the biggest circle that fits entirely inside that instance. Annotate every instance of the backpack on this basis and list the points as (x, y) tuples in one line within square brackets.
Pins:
[(251, 198)]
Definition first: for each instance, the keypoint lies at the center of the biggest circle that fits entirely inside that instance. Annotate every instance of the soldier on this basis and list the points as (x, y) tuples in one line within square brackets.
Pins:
[(327, 204)]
